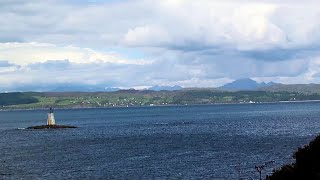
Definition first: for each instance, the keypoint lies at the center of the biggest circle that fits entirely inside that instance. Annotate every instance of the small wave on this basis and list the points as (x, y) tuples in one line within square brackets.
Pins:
[(5, 174), (172, 123), (159, 124), (21, 128), (139, 157)]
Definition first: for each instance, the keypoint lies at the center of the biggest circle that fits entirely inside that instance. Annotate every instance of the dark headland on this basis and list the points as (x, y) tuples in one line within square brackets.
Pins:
[(306, 166)]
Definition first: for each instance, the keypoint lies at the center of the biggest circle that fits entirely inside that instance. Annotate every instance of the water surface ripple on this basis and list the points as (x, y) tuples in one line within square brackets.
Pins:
[(179, 142)]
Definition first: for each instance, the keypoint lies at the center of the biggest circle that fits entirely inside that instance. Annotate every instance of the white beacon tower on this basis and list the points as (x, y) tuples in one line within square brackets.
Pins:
[(51, 120)]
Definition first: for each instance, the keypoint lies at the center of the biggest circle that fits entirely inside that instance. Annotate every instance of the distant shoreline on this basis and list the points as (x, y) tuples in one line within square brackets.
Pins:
[(62, 100), (299, 101), (168, 105)]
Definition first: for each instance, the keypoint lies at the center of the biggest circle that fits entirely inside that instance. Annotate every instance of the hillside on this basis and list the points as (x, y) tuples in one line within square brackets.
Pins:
[(126, 98), (7, 99), (299, 88)]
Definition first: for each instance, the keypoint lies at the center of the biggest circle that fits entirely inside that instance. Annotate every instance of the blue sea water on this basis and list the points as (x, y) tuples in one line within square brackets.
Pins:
[(173, 142)]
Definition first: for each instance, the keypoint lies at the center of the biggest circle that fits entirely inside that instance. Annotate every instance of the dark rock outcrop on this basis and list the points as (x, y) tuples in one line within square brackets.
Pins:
[(51, 127)]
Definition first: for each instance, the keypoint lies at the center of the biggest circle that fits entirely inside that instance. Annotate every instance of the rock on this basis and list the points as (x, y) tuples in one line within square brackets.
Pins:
[(51, 127)]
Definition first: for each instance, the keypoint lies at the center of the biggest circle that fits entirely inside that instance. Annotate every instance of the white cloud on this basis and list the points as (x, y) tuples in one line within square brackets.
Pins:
[(184, 42), (239, 24), (146, 35), (242, 25), (27, 53)]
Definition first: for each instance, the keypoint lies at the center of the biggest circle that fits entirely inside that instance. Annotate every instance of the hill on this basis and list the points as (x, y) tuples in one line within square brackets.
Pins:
[(16, 98), (245, 84)]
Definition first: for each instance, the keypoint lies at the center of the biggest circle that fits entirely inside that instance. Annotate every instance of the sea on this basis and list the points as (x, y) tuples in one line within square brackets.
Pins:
[(225, 141)]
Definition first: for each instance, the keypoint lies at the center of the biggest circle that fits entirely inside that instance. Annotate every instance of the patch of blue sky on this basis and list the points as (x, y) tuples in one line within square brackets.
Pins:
[(92, 1), (129, 53)]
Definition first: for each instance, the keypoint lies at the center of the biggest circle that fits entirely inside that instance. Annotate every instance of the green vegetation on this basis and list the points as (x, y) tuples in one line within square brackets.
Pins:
[(16, 98), (307, 165), (210, 97), (125, 98), (300, 88)]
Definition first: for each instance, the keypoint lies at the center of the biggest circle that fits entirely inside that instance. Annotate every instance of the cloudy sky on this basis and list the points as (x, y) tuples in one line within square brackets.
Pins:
[(140, 43)]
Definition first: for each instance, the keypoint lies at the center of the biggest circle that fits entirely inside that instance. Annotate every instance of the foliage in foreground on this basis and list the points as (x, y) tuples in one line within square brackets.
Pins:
[(307, 165)]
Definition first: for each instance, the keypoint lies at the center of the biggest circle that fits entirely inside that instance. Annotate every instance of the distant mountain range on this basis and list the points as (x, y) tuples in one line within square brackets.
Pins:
[(237, 85), (95, 88), (65, 87), (165, 88), (245, 84), (82, 88), (74, 87)]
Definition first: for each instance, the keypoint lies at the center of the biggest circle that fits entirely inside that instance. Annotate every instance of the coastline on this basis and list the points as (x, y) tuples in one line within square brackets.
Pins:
[(167, 105)]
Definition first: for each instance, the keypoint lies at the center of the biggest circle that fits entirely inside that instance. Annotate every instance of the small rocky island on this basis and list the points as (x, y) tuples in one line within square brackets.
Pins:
[(51, 124)]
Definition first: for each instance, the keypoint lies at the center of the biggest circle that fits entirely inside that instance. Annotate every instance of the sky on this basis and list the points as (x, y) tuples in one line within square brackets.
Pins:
[(142, 43)]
